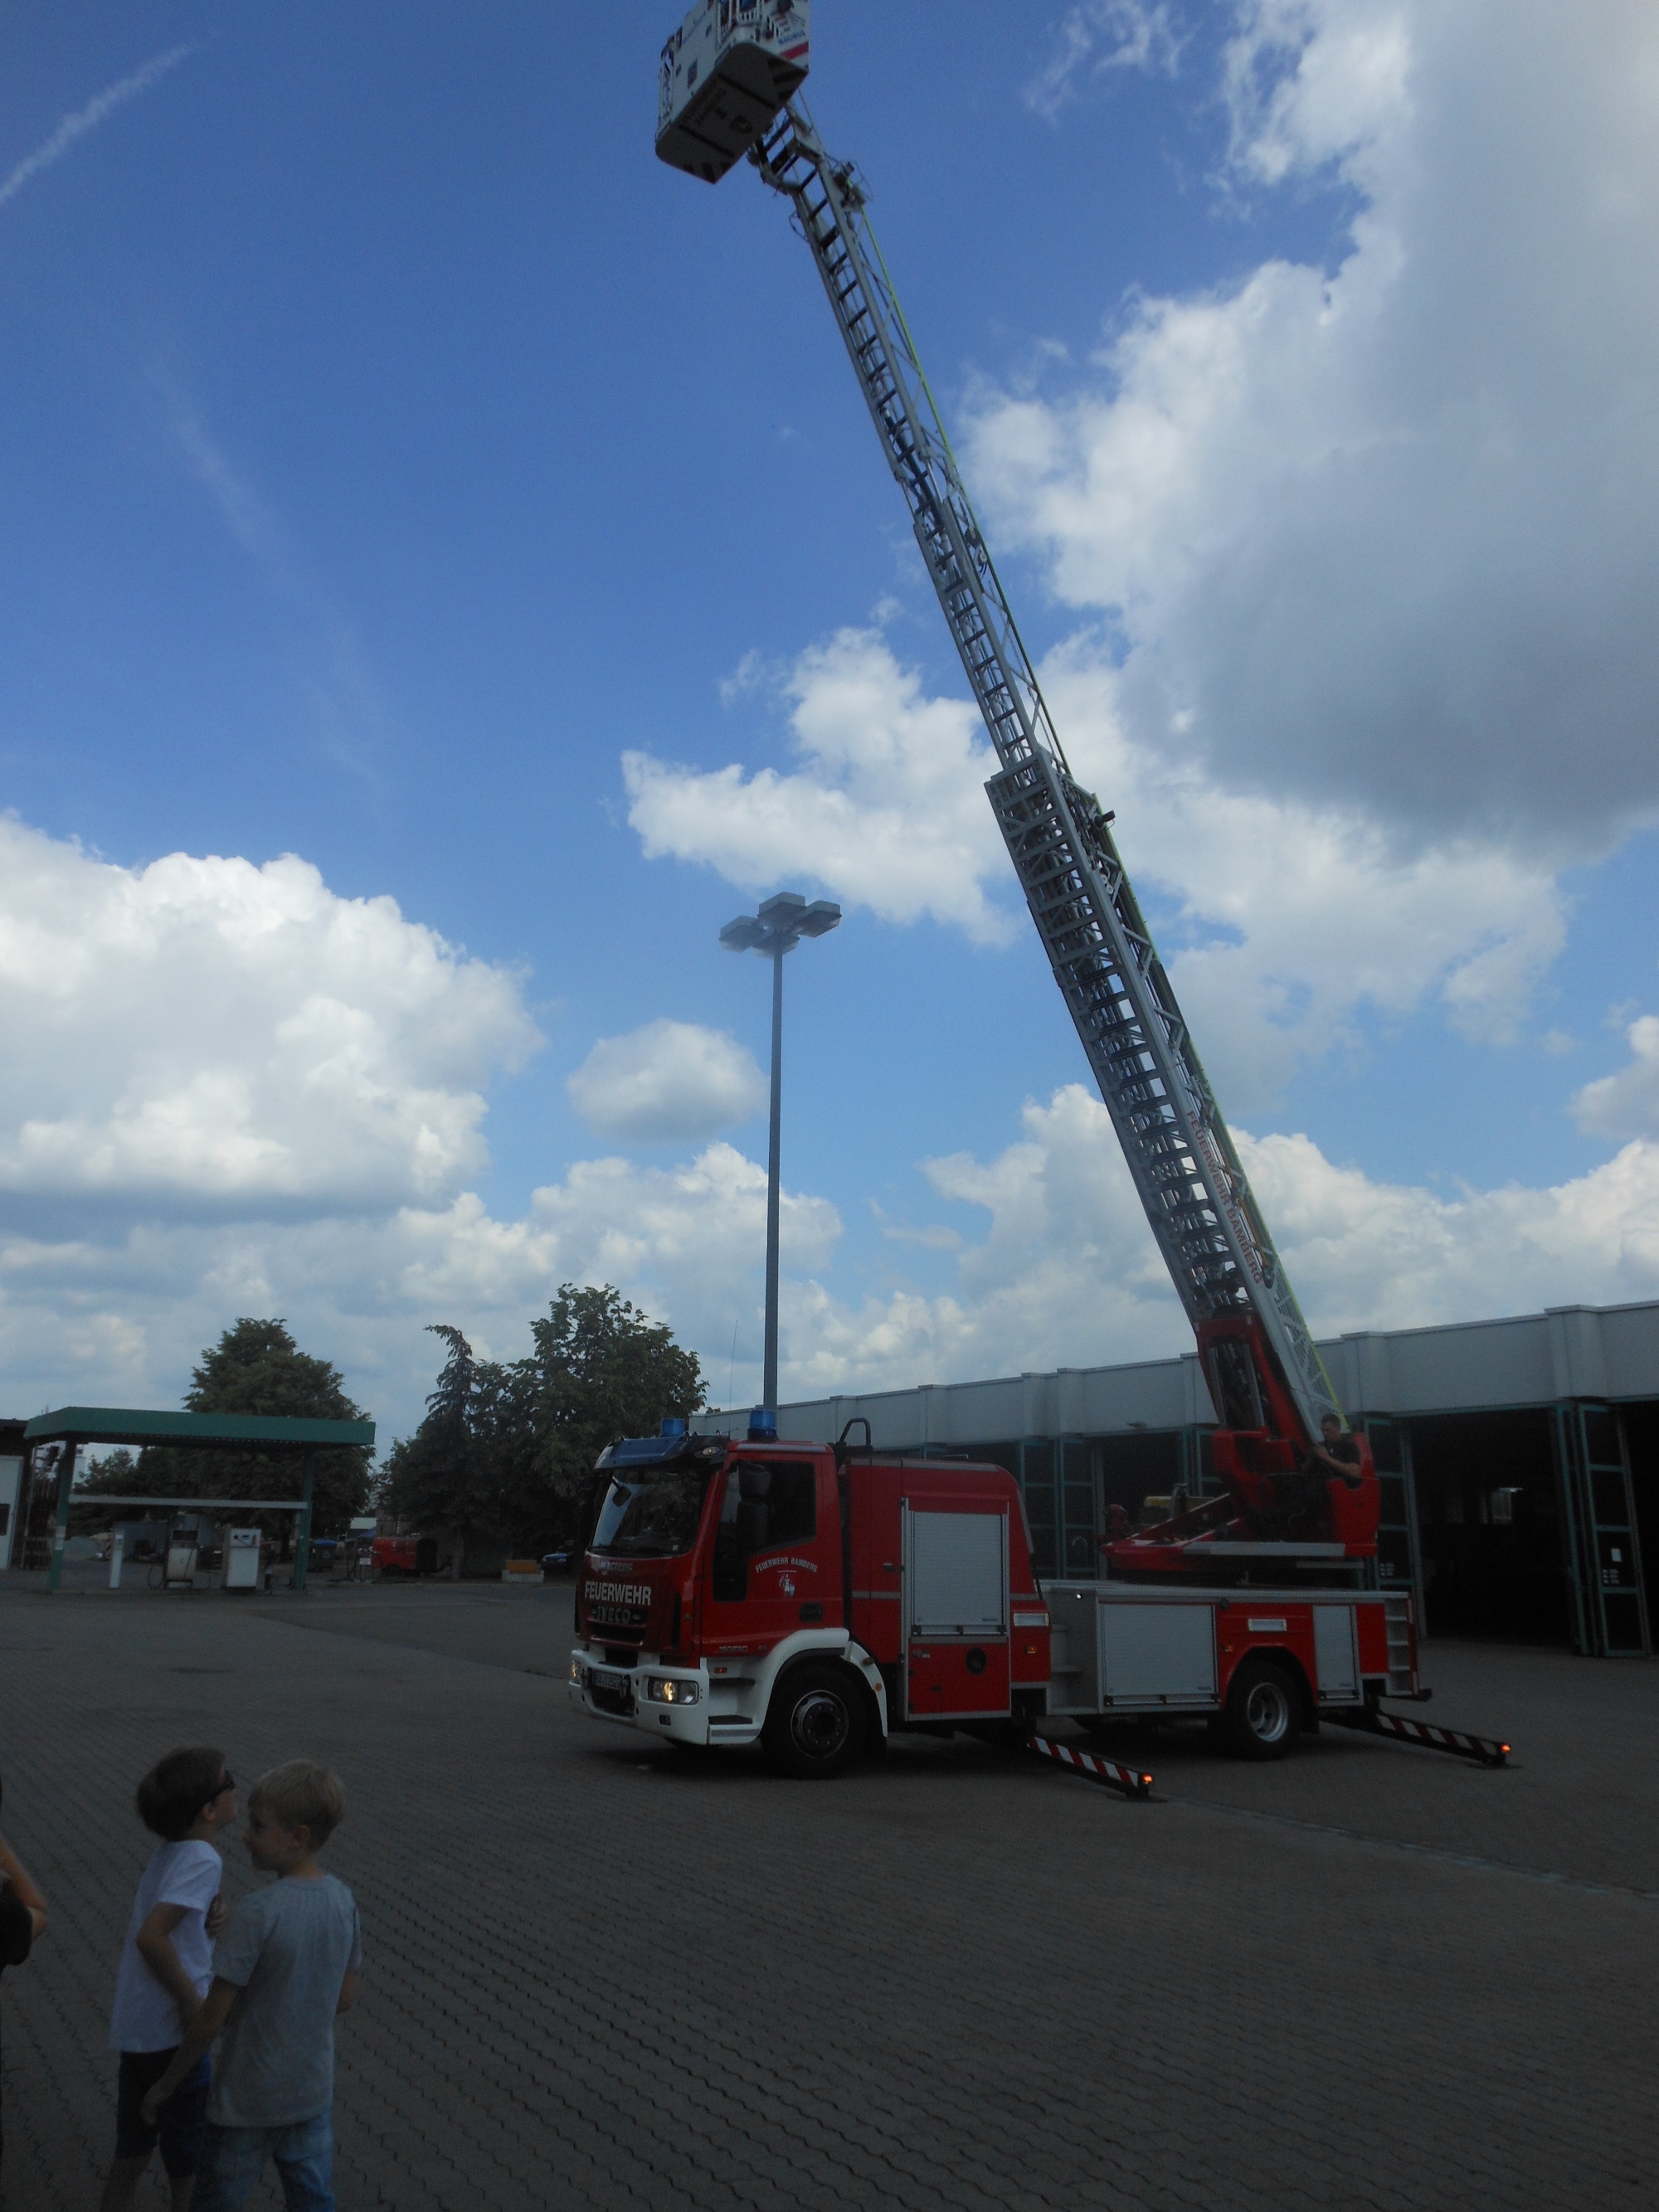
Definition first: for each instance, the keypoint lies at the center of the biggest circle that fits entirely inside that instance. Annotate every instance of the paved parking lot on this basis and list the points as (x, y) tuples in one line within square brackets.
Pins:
[(605, 1975)]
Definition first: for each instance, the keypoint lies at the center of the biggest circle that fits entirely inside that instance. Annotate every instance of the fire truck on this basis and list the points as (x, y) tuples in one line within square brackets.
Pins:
[(813, 1598)]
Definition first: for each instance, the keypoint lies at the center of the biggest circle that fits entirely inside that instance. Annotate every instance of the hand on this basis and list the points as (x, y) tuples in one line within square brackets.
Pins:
[(214, 1917), (151, 2105)]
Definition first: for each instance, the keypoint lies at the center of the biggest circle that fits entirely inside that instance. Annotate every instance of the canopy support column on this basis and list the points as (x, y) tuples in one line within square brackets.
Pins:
[(66, 1459), (302, 1534)]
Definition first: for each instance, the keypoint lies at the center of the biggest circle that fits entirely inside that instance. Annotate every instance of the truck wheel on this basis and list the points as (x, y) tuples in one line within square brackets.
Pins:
[(815, 1725), (1264, 1711)]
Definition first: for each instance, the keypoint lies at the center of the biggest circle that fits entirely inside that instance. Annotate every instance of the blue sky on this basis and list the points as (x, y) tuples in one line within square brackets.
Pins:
[(391, 445)]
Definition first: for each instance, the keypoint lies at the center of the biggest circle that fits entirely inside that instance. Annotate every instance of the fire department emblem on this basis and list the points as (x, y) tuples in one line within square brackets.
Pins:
[(786, 1584)]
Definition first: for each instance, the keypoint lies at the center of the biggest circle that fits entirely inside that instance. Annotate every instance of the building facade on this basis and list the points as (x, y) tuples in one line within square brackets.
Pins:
[(1519, 1461)]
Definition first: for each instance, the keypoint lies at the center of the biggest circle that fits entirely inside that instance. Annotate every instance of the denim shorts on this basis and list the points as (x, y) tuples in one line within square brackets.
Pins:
[(233, 2159), (180, 2125)]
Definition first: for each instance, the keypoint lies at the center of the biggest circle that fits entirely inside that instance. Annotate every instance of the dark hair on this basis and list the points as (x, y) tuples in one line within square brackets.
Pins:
[(172, 1795), (301, 1794)]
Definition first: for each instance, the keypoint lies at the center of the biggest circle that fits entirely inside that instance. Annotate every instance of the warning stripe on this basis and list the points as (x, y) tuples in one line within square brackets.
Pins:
[(1132, 1781), (1489, 1752)]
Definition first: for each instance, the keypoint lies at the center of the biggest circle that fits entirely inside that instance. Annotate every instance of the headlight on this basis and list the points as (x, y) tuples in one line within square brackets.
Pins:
[(577, 1672), (661, 1689)]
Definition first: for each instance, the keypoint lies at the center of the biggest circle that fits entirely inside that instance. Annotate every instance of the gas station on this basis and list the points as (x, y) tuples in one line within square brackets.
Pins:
[(38, 1517)]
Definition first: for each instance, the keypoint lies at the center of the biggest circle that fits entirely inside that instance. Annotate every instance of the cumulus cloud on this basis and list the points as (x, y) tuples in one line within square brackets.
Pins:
[(1296, 914), (208, 1033), (1065, 1273), (1052, 1265), (886, 806), (1291, 915), (121, 1317), (667, 1080), (1384, 538), (1626, 1104)]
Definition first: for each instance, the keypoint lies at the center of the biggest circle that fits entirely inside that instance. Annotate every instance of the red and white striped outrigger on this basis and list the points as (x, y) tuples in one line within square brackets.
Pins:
[(1131, 1781)]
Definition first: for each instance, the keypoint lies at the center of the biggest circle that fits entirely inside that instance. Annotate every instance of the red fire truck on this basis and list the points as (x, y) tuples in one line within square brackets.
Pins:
[(816, 1598)]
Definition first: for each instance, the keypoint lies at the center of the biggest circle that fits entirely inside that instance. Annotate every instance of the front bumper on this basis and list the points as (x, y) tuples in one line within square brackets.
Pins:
[(623, 1694)]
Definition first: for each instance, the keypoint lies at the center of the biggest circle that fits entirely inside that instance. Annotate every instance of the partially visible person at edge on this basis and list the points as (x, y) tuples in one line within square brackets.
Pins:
[(188, 1800), (22, 1918), (285, 1966)]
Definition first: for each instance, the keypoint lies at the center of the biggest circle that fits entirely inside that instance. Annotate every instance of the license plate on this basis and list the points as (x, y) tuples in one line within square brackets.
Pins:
[(604, 1679)]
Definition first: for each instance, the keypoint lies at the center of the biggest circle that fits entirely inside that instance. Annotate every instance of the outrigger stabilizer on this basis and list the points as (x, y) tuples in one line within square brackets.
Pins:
[(1484, 1750)]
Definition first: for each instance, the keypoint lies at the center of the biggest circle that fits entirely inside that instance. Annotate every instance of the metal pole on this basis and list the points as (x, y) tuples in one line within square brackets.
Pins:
[(769, 1377), (303, 1535), (60, 1534)]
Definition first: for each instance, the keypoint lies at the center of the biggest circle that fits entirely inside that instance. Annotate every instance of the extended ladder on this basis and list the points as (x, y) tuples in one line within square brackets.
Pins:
[(1180, 1154)]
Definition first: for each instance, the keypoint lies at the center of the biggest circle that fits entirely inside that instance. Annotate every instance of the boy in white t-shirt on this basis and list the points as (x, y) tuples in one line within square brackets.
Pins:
[(187, 1799)]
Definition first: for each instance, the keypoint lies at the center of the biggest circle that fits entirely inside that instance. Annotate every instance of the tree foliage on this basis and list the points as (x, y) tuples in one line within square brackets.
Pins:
[(509, 1448), (256, 1367)]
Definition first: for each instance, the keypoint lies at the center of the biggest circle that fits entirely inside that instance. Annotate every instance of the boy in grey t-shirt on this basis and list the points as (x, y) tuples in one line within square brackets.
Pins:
[(286, 1965)]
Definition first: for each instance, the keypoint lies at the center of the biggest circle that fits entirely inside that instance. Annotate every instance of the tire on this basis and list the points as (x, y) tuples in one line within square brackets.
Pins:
[(816, 1725), (1264, 1711)]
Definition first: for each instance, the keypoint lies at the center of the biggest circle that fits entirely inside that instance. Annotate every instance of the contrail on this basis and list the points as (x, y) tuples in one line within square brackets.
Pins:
[(88, 118)]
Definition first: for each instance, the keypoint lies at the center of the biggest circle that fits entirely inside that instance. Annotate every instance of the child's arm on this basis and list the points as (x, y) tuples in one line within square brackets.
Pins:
[(211, 2015), (12, 1866), (347, 1996), (153, 1943)]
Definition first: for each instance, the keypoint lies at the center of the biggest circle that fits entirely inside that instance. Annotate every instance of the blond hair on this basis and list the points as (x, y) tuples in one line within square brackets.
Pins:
[(300, 1795)]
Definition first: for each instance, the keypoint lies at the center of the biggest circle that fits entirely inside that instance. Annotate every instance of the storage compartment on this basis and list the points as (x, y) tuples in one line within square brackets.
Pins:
[(1157, 1654), (1335, 1660), (956, 1590), (956, 1574), (958, 1681)]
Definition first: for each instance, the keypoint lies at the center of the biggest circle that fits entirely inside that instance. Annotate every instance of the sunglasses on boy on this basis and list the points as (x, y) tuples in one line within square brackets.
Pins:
[(228, 1783)]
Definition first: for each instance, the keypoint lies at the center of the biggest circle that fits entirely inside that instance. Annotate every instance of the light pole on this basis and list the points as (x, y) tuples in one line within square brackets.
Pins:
[(777, 928)]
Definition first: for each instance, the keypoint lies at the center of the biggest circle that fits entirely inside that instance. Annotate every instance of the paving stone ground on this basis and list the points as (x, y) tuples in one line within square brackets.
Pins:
[(605, 1975)]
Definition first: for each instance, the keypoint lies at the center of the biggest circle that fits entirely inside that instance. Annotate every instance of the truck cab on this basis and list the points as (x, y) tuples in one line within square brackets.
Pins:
[(804, 1597)]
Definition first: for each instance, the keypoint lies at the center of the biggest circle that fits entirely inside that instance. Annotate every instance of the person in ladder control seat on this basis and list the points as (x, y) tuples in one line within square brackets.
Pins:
[(1335, 1456)]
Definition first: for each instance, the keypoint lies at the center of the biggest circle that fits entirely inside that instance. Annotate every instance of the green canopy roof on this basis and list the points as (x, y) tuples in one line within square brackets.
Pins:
[(123, 1424)]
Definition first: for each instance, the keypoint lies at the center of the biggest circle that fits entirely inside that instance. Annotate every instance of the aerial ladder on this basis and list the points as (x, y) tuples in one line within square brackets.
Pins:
[(728, 87)]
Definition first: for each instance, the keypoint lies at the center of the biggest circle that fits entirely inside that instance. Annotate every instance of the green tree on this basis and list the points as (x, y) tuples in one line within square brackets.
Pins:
[(116, 1475), (600, 1370), (434, 1479), (510, 1449), (256, 1367)]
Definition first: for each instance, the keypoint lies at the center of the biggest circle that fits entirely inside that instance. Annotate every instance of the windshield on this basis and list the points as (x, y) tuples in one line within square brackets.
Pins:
[(651, 1515)]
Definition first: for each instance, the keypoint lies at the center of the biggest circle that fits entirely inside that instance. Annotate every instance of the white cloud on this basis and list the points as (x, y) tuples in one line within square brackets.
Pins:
[(119, 1319), (1626, 1104), (886, 807), (669, 1079), (1099, 36), (1061, 1272), (1385, 540), (84, 119), (1364, 1254), (1299, 913), (202, 1033), (1066, 1274)]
